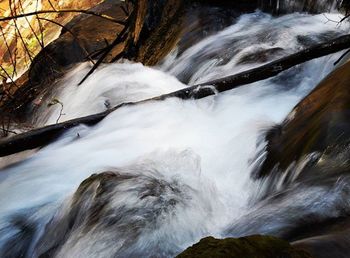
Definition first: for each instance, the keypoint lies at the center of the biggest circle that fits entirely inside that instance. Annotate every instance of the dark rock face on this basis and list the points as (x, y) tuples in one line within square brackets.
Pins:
[(252, 246)]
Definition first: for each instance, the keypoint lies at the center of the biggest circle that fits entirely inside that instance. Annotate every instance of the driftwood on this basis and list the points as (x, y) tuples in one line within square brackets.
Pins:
[(43, 136)]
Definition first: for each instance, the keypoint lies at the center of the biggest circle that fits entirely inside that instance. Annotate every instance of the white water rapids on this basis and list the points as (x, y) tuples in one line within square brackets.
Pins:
[(201, 149)]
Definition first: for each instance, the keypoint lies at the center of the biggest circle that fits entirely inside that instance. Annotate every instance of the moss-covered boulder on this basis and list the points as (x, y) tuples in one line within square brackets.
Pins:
[(255, 246)]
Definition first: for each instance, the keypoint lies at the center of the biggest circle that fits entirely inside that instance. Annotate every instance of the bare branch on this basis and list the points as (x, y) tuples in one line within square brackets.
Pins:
[(52, 6), (103, 16), (31, 27), (13, 13), (40, 25), (129, 35), (13, 62)]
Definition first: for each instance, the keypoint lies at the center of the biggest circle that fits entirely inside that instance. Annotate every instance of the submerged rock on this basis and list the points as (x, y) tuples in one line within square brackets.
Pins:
[(114, 215), (256, 246)]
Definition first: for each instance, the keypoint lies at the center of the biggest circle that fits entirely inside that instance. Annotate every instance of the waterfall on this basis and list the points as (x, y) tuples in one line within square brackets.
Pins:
[(289, 6), (166, 173)]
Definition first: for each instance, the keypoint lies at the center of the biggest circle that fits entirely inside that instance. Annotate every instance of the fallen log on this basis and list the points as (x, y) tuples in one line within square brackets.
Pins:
[(43, 136)]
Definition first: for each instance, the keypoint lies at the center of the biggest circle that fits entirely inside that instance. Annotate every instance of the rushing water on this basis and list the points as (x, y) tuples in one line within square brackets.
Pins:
[(183, 166), (288, 6)]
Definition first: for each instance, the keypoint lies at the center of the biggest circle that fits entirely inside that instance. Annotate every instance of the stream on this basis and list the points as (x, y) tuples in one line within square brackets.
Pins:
[(181, 170)]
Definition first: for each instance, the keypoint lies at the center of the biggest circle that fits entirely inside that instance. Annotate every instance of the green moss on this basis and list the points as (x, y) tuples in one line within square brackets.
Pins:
[(246, 247)]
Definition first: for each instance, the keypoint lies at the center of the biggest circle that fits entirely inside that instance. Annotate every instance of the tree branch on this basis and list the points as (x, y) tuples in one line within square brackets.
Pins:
[(43, 136), (103, 16), (124, 36)]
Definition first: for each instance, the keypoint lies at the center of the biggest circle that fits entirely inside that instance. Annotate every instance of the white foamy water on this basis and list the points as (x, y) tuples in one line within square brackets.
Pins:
[(201, 147)]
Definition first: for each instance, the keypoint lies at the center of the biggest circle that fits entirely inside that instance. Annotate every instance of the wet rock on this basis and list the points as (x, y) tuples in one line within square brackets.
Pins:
[(261, 55), (252, 246), (319, 123), (310, 149)]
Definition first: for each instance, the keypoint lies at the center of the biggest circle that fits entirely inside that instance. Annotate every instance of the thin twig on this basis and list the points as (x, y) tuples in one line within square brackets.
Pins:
[(61, 113), (52, 6), (40, 25), (7, 74), (13, 13), (120, 38), (9, 51), (126, 12), (30, 26), (7, 131), (54, 102), (103, 16)]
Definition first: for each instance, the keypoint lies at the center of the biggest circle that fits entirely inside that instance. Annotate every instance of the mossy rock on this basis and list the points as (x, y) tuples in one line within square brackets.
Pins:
[(255, 246)]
